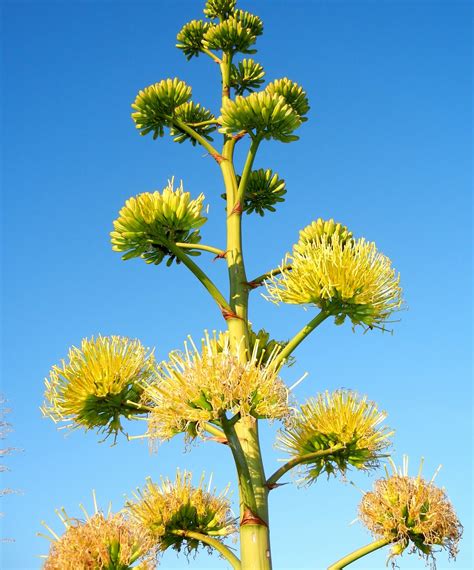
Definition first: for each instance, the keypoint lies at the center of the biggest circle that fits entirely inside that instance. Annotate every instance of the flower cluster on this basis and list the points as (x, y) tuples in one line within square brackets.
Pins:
[(342, 276), (99, 384), (169, 511), (101, 541), (314, 233), (196, 387), (342, 428), (247, 75), (219, 8), (154, 106), (149, 222), (409, 510)]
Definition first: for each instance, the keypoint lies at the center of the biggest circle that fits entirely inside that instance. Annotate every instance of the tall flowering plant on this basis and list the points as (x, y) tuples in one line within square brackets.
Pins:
[(221, 387)]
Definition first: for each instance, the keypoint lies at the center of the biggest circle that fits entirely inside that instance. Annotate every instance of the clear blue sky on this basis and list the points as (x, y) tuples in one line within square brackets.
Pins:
[(386, 151)]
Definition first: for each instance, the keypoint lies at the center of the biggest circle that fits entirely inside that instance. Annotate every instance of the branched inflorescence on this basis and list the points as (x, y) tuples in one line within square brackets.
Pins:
[(342, 421), (411, 511), (99, 384), (172, 511), (195, 387)]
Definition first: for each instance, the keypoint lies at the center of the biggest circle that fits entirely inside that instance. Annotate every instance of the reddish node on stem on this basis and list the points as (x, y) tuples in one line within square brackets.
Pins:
[(220, 256), (237, 209), (229, 315), (251, 518), (218, 157), (222, 440), (253, 284), (239, 136)]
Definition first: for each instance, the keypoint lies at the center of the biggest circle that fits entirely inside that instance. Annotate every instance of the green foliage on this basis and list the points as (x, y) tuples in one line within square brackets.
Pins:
[(150, 221), (190, 37), (155, 105), (266, 115), (246, 76), (219, 8), (191, 113)]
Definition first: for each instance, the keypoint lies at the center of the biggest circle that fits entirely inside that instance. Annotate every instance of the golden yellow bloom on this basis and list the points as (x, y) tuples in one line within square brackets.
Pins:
[(197, 387), (343, 277), (100, 383), (408, 510), (100, 542), (148, 221), (167, 510), (343, 421)]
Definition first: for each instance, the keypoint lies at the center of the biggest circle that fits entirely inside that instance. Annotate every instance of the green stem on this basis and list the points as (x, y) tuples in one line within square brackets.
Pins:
[(359, 553), (247, 495), (301, 335), (214, 430), (210, 248), (247, 168), (261, 278), (271, 481), (211, 55), (214, 543), (204, 123), (199, 273), (196, 136)]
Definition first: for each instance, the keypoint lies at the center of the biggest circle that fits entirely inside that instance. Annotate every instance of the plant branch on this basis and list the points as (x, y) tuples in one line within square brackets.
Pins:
[(199, 273), (204, 123), (210, 248), (214, 430), (213, 56), (273, 479), (301, 335), (196, 136), (247, 168), (359, 553), (261, 278), (213, 543)]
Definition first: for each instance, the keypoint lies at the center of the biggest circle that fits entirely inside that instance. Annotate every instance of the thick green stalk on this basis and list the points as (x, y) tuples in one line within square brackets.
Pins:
[(254, 533), (214, 543), (359, 553), (301, 335)]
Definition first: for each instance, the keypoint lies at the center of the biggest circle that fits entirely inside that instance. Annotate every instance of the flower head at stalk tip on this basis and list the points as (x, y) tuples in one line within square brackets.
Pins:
[(149, 221), (341, 420), (99, 384), (169, 510), (411, 511), (100, 541), (219, 8), (343, 277), (195, 387), (319, 229)]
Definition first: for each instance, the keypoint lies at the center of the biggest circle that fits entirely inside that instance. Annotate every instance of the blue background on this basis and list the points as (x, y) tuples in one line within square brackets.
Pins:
[(386, 151)]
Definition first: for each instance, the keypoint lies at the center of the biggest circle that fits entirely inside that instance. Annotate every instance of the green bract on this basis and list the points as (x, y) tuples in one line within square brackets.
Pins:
[(264, 190), (319, 229), (293, 94), (267, 114), (155, 105), (219, 8), (190, 37), (247, 76), (229, 36), (149, 222), (191, 113)]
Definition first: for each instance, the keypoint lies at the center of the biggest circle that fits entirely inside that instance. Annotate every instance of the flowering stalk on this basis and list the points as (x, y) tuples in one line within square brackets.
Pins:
[(359, 553)]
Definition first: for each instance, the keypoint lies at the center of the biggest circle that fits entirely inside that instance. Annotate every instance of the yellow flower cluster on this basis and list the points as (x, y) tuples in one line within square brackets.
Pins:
[(408, 510), (196, 387), (344, 277), (340, 421), (100, 383), (148, 221), (100, 541), (169, 510)]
